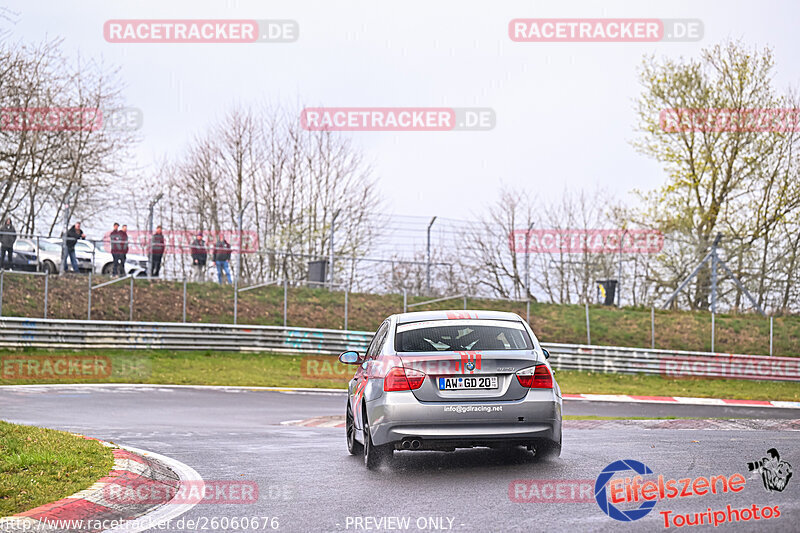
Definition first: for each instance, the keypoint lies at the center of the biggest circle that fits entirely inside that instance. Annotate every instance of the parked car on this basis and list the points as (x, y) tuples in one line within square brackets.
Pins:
[(443, 380), (49, 255), (135, 264), (23, 258)]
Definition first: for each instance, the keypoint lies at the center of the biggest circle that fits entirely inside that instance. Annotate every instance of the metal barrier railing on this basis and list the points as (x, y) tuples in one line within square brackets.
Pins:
[(16, 333)]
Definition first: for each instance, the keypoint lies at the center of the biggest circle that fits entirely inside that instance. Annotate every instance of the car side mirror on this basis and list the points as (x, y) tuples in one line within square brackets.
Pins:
[(349, 357), (546, 353)]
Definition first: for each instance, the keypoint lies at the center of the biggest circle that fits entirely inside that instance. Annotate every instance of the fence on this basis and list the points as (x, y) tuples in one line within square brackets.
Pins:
[(460, 300), (82, 334)]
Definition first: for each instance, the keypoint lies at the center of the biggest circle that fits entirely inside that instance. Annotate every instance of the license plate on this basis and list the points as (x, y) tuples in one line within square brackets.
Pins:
[(468, 382)]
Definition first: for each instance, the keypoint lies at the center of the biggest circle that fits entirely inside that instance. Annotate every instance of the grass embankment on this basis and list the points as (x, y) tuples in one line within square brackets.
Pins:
[(208, 302), (282, 370), (39, 466)]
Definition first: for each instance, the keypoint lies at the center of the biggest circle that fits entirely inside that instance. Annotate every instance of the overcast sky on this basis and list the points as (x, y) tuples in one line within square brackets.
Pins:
[(564, 110)]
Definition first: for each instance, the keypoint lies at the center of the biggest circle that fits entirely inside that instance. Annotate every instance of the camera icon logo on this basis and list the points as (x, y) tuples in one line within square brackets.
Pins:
[(775, 474)]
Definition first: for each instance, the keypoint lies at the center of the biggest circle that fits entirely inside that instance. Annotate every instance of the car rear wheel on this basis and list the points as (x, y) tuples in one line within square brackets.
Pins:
[(353, 446), (107, 269), (374, 456)]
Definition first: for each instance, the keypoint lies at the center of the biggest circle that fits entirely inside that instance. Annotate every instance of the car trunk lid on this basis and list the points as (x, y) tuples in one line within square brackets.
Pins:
[(447, 369)]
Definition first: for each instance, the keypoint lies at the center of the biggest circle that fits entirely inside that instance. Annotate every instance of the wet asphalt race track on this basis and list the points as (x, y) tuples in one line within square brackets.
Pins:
[(308, 481)]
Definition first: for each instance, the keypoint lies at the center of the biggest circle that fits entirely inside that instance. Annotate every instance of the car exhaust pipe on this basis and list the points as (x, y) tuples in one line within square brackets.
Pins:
[(406, 444), (416, 444)]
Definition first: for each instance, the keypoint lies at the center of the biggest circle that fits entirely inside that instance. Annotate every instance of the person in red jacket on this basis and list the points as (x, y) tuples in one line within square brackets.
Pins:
[(199, 257), (124, 247), (115, 239), (157, 247)]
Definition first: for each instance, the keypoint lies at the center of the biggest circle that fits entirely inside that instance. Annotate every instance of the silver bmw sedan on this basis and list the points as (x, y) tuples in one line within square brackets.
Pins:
[(443, 380)]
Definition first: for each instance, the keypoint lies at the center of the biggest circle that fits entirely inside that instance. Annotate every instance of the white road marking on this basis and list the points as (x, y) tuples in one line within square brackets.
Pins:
[(167, 511)]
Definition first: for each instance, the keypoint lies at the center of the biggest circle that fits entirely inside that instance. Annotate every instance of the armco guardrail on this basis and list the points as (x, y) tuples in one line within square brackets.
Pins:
[(83, 334), (675, 364)]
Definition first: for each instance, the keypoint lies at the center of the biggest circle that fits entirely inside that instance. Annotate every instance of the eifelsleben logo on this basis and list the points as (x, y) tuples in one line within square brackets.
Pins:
[(601, 496)]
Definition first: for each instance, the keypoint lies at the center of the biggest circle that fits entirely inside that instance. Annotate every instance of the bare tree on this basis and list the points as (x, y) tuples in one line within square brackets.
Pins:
[(292, 183)]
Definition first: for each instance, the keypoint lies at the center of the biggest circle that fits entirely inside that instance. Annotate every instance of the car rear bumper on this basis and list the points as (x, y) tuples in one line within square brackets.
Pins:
[(398, 416)]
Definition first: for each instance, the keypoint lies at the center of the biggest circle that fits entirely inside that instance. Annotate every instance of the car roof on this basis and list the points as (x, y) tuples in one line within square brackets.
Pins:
[(422, 316)]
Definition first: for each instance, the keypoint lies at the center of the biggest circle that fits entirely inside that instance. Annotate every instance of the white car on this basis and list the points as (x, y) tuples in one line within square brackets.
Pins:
[(135, 264), (48, 253)]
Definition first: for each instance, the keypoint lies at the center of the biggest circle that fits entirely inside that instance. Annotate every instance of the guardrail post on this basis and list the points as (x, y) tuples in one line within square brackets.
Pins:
[(770, 323), (652, 328), (184, 299), (405, 300), (46, 289), (285, 300), (465, 302), (588, 329), (89, 304), (713, 326), (346, 293), (528, 311), (236, 300), (130, 303)]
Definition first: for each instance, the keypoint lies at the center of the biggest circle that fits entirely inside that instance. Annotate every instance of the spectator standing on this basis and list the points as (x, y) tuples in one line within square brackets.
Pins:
[(124, 247), (222, 256), (73, 234), (116, 251), (199, 257), (157, 248), (8, 236)]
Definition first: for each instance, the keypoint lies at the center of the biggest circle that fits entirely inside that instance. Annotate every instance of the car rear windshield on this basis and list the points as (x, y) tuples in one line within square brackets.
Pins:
[(461, 336)]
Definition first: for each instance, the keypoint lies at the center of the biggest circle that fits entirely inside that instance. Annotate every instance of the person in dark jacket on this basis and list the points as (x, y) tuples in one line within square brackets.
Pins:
[(222, 255), (8, 236), (115, 239), (157, 247), (73, 234), (199, 257), (124, 246)]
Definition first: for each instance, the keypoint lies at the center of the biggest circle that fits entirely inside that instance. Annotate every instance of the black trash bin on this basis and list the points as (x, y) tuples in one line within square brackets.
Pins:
[(606, 291)]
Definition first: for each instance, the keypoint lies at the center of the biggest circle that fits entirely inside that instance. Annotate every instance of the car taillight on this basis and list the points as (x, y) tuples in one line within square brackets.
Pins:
[(398, 379), (535, 377)]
